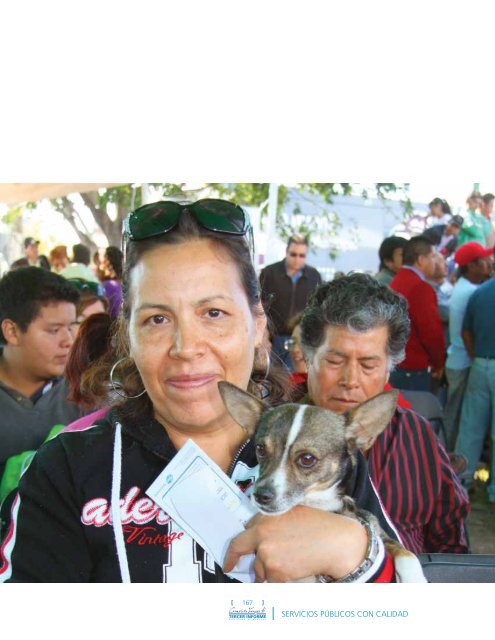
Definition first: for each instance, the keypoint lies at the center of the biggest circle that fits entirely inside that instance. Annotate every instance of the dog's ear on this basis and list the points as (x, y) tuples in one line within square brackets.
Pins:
[(242, 406), (365, 423)]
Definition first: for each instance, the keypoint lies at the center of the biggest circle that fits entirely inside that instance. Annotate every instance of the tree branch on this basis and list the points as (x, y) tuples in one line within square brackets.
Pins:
[(100, 216), (67, 209)]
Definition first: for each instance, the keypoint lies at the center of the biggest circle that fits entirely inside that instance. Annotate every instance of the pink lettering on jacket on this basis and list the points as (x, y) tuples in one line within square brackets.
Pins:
[(97, 512)]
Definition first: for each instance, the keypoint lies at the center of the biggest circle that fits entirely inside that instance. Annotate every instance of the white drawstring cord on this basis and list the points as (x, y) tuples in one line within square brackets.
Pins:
[(116, 518)]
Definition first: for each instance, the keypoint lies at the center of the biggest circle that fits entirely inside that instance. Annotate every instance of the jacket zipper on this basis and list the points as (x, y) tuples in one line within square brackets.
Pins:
[(292, 298), (220, 576), (231, 468)]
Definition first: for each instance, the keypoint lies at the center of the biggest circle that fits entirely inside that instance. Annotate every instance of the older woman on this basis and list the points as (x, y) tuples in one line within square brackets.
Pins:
[(191, 317)]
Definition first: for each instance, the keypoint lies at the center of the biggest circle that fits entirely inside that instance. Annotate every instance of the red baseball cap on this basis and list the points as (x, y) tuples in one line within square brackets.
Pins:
[(471, 251)]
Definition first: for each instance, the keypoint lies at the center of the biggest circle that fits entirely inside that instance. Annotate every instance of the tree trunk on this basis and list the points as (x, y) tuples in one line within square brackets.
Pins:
[(67, 209)]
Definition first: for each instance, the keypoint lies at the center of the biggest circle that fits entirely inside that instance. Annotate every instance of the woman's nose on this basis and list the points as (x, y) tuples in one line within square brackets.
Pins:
[(187, 342)]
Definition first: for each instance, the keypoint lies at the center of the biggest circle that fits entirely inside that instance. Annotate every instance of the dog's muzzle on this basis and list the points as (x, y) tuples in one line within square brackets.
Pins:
[(263, 496)]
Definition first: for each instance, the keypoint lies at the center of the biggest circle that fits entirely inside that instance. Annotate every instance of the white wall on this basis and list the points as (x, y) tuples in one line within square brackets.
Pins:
[(365, 223)]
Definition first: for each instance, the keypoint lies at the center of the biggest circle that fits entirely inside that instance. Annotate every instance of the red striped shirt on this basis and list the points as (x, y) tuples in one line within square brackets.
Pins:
[(418, 486)]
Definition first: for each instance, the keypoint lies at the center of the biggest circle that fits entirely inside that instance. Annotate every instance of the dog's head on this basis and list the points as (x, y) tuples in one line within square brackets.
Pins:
[(305, 452)]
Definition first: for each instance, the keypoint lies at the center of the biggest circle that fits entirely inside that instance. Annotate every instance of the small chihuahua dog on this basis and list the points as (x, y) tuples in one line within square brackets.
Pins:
[(305, 455)]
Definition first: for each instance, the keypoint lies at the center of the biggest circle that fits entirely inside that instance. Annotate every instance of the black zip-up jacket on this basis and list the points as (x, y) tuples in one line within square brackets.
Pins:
[(62, 528), (281, 297)]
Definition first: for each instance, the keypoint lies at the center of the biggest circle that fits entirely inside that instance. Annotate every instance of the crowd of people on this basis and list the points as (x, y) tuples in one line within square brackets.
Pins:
[(108, 369)]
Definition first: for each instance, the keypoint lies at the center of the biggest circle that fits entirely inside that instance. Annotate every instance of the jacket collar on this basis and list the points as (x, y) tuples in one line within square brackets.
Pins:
[(153, 437), (282, 269), (408, 267), (147, 431)]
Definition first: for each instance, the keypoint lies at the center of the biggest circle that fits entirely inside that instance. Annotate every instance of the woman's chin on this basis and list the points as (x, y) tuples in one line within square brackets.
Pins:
[(200, 414)]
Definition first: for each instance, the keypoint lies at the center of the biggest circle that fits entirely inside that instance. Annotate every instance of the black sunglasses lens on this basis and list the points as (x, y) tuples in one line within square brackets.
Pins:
[(153, 219), (220, 215)]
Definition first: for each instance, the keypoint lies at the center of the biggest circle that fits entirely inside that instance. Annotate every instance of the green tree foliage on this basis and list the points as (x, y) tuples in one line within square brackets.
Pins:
[(110, 206)]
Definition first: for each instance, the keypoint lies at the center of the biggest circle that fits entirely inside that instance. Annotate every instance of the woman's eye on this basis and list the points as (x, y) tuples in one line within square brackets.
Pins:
[(335, 363), (306, 460), (157, 320)]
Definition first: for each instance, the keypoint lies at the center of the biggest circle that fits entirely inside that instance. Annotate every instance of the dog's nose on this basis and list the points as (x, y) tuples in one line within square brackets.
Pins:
[(263, 495)]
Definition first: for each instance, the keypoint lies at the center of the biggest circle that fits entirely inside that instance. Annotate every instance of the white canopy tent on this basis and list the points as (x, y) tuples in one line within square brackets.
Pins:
[(14, 193)]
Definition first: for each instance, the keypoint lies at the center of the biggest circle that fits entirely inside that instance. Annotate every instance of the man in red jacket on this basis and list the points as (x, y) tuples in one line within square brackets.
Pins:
[(425, 349)]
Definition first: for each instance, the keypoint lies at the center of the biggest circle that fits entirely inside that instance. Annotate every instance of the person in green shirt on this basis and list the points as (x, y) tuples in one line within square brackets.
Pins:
[(475, 227), (487, 210)]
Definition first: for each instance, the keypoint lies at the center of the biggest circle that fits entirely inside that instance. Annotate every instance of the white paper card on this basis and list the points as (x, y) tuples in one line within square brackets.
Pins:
[(204, 501)]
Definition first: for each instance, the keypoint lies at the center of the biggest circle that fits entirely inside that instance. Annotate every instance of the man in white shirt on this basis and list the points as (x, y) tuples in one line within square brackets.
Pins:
[(476, 264)]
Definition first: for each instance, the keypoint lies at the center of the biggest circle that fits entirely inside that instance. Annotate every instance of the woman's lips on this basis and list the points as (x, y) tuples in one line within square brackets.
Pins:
[(191, 382)]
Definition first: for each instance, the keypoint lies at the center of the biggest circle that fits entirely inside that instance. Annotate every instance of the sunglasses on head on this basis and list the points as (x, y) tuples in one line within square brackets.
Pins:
[(213, 214), (86, 285)]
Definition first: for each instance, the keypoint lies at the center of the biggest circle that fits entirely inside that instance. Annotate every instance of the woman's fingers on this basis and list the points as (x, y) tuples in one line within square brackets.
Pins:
[(241, 545), (259, 570)]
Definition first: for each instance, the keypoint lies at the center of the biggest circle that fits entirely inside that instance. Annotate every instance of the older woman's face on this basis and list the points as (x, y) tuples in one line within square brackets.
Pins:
[(348, 368), (190, 327)]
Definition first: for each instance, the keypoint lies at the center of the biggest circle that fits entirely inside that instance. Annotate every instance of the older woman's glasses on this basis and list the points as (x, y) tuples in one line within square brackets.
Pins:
[(213, 214)]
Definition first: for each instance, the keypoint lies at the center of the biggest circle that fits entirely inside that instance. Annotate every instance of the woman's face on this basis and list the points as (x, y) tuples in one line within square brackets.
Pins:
[(190, 327), (436, 210), (106, 267)]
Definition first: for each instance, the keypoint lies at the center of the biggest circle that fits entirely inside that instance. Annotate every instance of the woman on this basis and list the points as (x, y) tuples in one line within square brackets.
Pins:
[(111, 270), (440, 211), (191, 317)]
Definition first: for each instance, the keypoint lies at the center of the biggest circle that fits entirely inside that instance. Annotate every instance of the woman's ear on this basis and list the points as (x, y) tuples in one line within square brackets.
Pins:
[(11, 332)]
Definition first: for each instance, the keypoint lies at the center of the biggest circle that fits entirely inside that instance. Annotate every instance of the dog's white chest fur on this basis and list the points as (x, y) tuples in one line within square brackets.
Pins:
[(327, 499)]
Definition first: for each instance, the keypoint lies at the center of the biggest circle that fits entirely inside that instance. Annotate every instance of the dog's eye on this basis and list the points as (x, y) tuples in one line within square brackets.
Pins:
[(260, 450), (306, 460)]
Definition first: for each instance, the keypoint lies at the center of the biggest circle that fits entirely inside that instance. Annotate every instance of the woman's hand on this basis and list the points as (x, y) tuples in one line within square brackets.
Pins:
[(300, 543)]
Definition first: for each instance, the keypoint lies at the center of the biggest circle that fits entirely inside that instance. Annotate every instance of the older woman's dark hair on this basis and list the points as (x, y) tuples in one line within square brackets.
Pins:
[(358, 303), (274, 385)]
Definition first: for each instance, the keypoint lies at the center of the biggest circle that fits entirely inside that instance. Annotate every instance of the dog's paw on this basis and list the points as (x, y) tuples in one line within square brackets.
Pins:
[(408, 569)]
